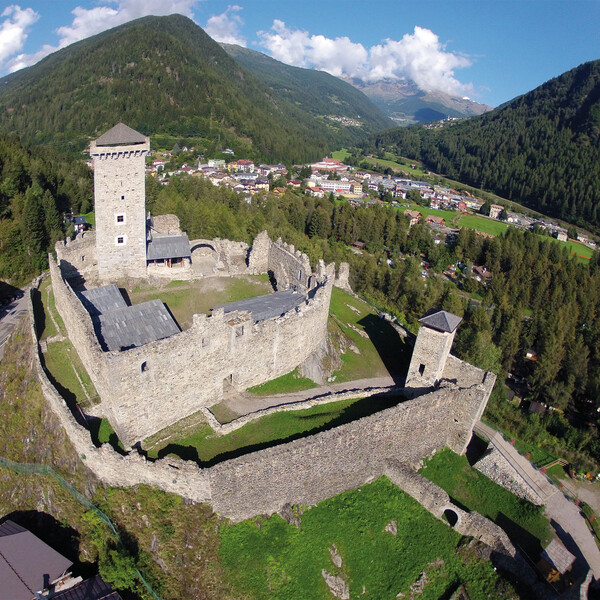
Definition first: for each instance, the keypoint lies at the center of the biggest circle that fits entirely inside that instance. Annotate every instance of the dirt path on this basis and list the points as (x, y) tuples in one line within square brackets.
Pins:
[(243, 404)]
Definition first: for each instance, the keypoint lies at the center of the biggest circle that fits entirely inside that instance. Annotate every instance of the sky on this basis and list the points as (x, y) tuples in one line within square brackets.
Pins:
[(487, 50)]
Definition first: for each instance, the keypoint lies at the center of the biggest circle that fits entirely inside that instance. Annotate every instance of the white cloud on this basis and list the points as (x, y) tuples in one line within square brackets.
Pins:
[(226, 26), (87, 22), (419, 56), (14, 30)]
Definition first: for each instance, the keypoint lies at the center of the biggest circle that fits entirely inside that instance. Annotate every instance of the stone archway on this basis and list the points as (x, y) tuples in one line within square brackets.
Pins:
[(451, 516), (204, 258)]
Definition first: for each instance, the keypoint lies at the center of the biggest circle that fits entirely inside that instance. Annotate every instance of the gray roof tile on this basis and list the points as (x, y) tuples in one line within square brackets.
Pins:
[(168, 246), (268, 306), (120, 134), (103, 299), (25, 561), (441, 320), (136, 325)]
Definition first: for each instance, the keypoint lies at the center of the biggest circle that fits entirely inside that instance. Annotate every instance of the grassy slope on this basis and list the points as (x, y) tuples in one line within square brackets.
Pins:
[(522, 521), (269, 559)]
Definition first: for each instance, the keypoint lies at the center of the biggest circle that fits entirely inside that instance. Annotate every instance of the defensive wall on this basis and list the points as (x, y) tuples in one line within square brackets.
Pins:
[(147, 388), (304, 471)]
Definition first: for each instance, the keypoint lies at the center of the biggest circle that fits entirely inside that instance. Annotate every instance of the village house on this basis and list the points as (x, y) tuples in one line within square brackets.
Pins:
[(495, 210), (414, 215), (330, 164), (435, 220)]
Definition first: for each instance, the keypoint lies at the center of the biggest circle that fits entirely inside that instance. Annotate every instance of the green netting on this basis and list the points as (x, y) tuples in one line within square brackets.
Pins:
[(41, 469)]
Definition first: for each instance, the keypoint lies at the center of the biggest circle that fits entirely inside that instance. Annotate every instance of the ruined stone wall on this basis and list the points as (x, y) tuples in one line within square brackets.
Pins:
[(304, 471), (160, 383), (171, 475), (476, 387), (289, 266), (309, 470), (146, 389), (78, 256)]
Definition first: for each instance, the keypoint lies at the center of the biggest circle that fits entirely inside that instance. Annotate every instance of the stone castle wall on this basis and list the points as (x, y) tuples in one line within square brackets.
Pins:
[(146, 389), (304, 471), (311, 469), (78, 256)]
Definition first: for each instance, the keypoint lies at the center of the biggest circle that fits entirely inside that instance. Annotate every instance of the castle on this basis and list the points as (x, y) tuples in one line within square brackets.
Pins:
[(133, 355), (147, 372)]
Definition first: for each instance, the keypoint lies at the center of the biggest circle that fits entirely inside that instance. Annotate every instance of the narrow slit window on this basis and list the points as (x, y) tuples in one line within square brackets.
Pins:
[(421, 369)]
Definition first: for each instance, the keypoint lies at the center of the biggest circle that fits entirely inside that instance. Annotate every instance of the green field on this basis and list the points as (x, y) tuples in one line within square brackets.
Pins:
[(270, 559), (484, 224), (524, 522), (342, 154), (288, 383), (377, 350)]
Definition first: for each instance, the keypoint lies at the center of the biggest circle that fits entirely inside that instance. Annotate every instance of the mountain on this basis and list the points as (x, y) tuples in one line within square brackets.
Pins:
[(541, 149), (162, 75), (405, 103), (315, 92)]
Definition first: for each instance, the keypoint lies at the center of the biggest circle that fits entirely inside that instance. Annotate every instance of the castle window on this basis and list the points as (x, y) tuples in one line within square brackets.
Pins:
[(421, 369), (122, 197), (82, 258), (120, 218), (120, 241), (144, 367), (205, 342)]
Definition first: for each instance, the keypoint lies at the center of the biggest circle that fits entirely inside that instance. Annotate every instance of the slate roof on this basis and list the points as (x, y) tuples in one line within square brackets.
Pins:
[(558, 556), (103, 299), (119, 326), (441, 320), (136, 325), (90, 589), (120, 134), (168, 246), (268, 306), (25, 561)]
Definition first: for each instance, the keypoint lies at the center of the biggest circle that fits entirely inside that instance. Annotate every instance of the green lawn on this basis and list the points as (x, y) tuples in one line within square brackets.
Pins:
[(381, 351), (524, 522), (43, 306), (491, 226), (184, 299), (342, 154), (288, 383), (270, 559), (201, 444)]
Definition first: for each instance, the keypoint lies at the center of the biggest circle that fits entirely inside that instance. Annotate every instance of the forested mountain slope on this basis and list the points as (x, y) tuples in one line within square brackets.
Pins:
[(541, 149), (158, 75), (316, 92)]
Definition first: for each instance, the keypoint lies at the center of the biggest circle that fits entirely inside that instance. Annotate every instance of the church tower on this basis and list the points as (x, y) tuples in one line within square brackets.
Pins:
[(432, 347), (120, 202)]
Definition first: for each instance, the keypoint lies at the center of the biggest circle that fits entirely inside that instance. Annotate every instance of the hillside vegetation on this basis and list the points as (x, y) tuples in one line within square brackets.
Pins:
[(160, 75), (316, 92), (541, 149)]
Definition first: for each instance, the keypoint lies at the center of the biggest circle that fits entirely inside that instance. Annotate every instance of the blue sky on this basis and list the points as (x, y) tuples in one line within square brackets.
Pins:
[(489, 50)]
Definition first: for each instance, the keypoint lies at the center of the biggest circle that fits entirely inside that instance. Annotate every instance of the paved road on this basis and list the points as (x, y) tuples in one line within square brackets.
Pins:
[(565, 517), (10, 315), (243, 404)]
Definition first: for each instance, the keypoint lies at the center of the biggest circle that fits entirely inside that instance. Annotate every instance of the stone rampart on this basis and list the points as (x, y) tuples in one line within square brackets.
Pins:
[(303, 471), (437, 502), (311, 469), (290, 267), (171, 475), (78, 256), (148, 388)]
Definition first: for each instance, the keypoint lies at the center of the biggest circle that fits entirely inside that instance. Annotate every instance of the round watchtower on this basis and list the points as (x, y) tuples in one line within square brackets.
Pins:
[(432, 347)]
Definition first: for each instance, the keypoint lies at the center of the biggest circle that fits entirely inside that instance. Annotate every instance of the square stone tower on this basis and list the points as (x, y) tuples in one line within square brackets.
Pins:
[(432, 347), (120, 202)]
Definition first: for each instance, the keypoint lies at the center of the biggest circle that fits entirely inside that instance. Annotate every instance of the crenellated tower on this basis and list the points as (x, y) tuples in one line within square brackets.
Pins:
[(120, 202)]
